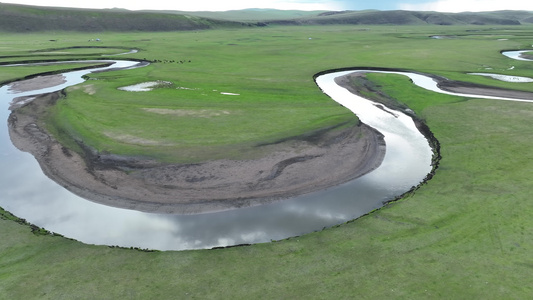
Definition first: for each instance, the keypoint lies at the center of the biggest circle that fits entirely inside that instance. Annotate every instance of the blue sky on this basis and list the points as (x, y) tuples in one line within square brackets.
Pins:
[(218, 5)]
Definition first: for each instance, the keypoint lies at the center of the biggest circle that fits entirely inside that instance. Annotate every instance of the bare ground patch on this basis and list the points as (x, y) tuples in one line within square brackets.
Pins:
[(87, 88), (135, 140), (199, 113), (39, 82)]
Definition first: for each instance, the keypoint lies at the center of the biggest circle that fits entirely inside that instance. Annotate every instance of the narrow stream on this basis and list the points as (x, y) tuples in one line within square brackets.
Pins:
[(29, 194)]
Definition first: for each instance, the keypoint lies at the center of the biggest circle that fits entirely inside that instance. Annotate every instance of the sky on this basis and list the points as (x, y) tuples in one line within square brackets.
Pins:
[(218, 5)]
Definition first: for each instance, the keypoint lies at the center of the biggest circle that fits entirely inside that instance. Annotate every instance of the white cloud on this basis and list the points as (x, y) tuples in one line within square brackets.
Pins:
[(469, 5)]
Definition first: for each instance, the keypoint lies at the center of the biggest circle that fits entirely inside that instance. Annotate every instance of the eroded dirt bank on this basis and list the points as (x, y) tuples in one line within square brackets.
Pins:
[(478, 89), (39, 82), (291, 168)]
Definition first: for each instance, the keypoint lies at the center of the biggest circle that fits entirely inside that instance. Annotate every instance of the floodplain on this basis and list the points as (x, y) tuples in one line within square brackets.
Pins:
[(464, 234)]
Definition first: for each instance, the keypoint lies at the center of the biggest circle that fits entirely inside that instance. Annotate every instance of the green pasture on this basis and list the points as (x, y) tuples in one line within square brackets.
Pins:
[(271, 70), (466, 234)]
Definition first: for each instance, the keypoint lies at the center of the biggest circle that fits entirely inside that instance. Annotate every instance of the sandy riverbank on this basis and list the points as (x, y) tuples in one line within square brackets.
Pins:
[(39, 82)]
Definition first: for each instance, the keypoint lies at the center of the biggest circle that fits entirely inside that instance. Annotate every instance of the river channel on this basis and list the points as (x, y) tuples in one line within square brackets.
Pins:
[(29, 194)]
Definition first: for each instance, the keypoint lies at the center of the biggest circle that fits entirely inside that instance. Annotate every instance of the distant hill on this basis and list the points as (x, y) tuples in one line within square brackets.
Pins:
[(23, 18), (251, 14), (401, 17)]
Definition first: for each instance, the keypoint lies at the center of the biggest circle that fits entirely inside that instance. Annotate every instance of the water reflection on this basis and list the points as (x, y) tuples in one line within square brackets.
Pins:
[(517, 54), (29, 194)]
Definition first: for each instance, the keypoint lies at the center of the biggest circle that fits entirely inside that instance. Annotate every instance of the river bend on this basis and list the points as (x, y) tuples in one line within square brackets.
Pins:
[(29, 194)]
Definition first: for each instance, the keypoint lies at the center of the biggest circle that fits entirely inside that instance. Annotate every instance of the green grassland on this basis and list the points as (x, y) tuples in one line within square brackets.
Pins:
[(25, 18), (465, 234), (276, 99)]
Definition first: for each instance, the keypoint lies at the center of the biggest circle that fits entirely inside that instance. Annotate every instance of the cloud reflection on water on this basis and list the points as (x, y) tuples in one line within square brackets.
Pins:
[(31, 195)]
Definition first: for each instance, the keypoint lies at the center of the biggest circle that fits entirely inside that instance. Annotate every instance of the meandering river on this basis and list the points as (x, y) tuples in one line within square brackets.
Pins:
[(29, 194)]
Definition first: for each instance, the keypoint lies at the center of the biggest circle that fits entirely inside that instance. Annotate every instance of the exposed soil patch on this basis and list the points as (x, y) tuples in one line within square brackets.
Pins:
[(39, 82), (202, 113), (472, 88), (87, 88), (357, 83), (528, 55), (145, 86)]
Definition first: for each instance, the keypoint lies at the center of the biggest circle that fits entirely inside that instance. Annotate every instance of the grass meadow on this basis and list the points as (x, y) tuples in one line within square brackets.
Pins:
[(465, 234)]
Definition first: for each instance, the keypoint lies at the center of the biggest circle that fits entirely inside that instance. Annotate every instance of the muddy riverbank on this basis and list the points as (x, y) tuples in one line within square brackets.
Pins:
[(293, 167)]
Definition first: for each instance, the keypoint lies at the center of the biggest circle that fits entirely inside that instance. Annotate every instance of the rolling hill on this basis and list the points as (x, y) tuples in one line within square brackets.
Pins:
[(251, 14), (23, 18), (401, 17)]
